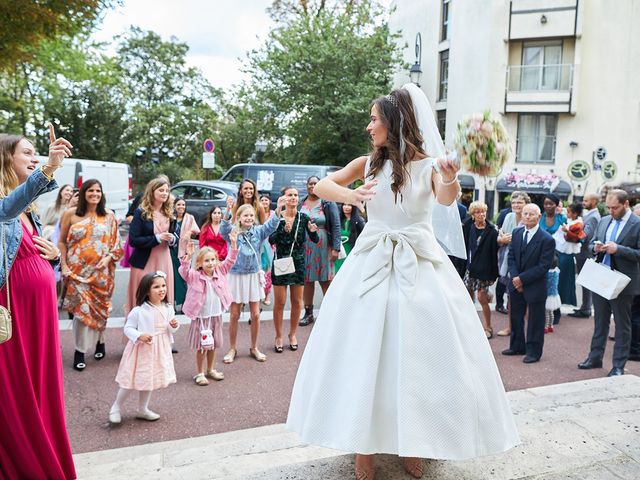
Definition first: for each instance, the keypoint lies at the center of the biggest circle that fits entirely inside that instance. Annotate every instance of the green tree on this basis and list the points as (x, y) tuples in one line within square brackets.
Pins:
[(314, 78), (67, 81), (169, 105), (26, 24)]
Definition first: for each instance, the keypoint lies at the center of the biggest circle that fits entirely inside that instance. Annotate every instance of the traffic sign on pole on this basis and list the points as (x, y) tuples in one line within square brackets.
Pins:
[(209, 146)]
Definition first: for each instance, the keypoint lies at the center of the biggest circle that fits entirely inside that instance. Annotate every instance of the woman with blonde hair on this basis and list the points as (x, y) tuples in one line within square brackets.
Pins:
[(481, 240), (151, 234), (511, 221), (245, 282), (34, 441), (53, 214)]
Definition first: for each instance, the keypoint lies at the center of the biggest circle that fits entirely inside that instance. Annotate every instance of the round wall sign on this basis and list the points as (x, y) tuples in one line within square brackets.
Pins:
[(579, 170), (609, 170)]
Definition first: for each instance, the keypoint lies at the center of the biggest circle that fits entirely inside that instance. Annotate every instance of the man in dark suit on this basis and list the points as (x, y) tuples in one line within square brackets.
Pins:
[(616, 244), (590, 217), (530, 258)]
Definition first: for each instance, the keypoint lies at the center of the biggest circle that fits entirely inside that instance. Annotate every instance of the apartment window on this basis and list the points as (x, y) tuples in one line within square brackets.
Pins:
[(536, 141), (541, 66), (444, 28), (442, 122), (444, 75)]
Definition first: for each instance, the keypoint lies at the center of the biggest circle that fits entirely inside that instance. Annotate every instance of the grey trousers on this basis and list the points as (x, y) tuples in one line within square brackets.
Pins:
[(621, 309), (585, 307)]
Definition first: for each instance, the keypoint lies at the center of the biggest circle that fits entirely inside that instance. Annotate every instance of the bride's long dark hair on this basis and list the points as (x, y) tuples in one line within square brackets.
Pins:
[(396, 112)]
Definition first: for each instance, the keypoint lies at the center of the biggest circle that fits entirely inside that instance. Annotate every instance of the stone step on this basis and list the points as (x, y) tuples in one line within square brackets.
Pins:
[(583, 430), (224, 455)]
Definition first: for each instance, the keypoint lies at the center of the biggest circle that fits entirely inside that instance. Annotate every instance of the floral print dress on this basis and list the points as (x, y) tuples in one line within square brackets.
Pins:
[(318, 264), (89, 290)]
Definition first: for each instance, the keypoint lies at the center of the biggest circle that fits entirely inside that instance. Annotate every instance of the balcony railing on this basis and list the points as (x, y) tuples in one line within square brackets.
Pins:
[(540, 78)]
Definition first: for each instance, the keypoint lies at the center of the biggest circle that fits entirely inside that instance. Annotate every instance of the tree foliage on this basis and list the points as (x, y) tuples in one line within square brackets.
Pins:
[(27, 23), (110, 107), (314, 78)]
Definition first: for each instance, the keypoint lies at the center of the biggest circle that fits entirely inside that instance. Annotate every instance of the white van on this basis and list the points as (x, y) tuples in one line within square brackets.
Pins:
[(115, 178)]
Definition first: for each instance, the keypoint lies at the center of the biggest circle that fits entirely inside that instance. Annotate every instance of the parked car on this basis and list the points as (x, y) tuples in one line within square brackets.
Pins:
[(202, 195), (115, 178), (271, 177)]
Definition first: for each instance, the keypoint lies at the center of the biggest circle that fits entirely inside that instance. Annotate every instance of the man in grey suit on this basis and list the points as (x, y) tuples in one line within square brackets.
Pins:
[(590, 217), (616, 243)]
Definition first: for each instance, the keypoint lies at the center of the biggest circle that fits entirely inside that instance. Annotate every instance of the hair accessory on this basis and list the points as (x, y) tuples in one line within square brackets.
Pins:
[(160, 274), (392, 99)]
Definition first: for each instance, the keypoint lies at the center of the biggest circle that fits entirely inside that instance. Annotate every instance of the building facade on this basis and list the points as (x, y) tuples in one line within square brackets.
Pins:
[(562, 75)]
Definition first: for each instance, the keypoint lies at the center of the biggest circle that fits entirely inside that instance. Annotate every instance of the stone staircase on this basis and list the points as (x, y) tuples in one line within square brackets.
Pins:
[(588, 430)]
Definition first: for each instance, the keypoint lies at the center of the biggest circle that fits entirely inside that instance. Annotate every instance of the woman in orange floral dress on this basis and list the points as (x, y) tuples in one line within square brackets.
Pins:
[(90, 246)]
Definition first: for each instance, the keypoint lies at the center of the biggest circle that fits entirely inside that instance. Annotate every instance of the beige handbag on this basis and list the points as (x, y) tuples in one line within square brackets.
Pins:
[(285, 265), (5, 313)]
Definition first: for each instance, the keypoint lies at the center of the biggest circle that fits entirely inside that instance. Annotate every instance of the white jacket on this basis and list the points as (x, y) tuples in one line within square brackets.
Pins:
[(141, 320)]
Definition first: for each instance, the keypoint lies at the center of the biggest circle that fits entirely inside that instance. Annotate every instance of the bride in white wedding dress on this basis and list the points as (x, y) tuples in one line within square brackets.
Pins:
[(398, 361)]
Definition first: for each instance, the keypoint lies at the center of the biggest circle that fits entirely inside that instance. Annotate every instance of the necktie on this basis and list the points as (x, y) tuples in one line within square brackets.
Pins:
[(525, 241), (612, 238)]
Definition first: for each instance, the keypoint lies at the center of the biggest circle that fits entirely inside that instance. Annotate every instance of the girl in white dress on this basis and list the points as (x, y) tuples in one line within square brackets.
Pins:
[(147, 363), (400, 364)]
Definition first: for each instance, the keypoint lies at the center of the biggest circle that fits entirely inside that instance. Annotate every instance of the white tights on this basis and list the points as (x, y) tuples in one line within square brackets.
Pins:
[(143, 400)]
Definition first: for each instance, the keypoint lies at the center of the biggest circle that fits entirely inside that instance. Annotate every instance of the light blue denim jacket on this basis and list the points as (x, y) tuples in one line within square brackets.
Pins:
[(247, 261), (10, 209)]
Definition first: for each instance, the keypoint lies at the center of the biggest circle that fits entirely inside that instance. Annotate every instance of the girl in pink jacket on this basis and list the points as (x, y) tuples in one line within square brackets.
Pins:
[(207, 297)]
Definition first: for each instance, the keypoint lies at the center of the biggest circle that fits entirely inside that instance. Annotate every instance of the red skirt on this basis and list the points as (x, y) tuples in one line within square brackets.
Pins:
[(33, 436)]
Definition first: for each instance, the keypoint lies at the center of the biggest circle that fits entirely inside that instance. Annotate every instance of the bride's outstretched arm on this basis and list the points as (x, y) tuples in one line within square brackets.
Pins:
[(334, 186), (445, 183)]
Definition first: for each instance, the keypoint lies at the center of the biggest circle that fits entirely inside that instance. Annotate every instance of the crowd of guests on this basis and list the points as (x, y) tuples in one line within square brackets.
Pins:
[(244, 251), (534, 256), (233, 267)]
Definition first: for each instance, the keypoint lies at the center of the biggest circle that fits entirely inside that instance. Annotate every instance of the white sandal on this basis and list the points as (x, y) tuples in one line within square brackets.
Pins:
[(201, 380), (230, 356), (215, 375)]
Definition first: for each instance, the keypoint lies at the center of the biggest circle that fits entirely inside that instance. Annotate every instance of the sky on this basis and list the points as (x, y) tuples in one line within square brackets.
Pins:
[(219, 32)]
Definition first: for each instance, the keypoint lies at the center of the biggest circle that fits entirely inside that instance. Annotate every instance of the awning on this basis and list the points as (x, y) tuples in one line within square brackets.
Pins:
[(467, 182), (562, 188)]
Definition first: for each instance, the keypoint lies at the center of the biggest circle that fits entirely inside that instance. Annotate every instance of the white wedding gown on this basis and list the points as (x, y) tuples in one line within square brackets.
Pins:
[(398, 361)]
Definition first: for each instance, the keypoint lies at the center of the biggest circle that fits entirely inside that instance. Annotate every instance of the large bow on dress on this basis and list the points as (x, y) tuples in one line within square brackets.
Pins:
[(398, 250)]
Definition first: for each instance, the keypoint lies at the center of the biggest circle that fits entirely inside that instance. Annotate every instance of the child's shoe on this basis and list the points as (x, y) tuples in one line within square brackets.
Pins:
[(114, 417), (201, 380), (148, 415), (546, 329), (215, 375), (551, 329)]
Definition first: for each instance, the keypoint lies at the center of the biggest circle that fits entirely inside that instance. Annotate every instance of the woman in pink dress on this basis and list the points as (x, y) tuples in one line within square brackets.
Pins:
[(150, 236), (34, 441)]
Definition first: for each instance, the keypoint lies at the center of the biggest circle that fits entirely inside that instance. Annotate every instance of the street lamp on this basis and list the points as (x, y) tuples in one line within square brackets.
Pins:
[(416, 71), (261, 147)]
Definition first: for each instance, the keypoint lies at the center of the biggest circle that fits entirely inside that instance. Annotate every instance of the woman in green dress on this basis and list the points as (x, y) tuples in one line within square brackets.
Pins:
[(351, 224), (290, 240)]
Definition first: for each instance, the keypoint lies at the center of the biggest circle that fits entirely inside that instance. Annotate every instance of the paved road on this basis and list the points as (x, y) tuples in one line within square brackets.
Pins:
[(256, 394)]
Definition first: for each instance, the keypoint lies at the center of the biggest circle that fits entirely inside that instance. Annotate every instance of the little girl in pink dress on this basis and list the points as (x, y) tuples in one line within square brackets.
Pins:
[(147, 363)]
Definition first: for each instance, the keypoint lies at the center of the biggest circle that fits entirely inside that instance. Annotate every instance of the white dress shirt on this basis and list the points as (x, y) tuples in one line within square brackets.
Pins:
[(532, 232)]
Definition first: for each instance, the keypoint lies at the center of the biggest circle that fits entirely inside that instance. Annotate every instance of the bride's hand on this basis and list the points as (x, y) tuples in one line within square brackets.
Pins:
[(362, 194), (448, 169)]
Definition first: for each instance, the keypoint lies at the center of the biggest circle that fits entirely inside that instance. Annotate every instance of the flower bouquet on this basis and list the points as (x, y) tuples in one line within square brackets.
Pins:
[(482, 144)]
